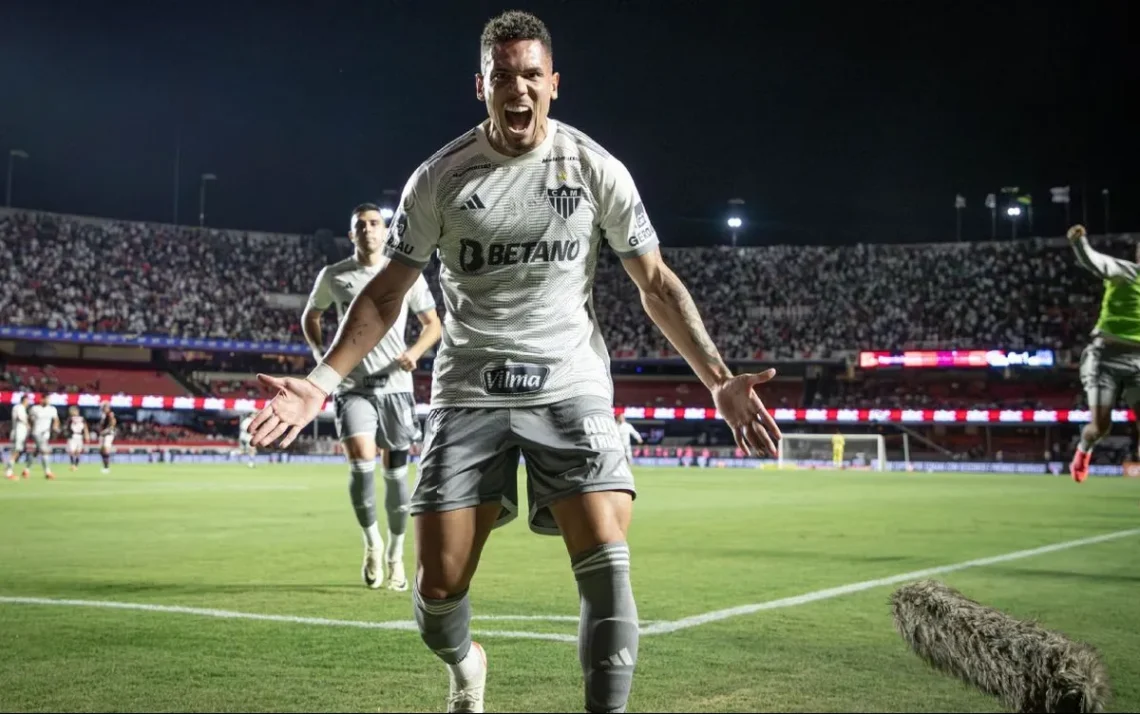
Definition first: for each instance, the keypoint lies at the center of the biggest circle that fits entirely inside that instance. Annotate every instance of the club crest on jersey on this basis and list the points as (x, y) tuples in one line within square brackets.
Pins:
[(564, 200)]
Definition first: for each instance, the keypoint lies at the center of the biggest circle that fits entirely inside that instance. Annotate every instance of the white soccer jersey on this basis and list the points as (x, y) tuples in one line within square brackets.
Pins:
[(42, 419), (627, 432), (20, 420), (243, 429), (518, 241), (76, 425), (338, 284)]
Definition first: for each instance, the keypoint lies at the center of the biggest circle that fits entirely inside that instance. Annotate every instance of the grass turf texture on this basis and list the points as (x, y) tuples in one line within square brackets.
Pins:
[(282, 540)]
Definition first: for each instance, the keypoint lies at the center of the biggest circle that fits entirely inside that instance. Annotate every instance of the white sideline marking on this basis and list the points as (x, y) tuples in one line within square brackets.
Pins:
[(716, 615), (648, 627), (200, 488), (232, 615)]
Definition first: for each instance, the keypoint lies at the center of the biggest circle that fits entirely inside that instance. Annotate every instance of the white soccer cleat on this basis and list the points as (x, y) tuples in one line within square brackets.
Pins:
[(396, 578), (469, 696), (372, 571)]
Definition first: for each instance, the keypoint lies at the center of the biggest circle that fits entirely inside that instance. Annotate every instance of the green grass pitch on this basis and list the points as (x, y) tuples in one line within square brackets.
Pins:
[(204, 548)]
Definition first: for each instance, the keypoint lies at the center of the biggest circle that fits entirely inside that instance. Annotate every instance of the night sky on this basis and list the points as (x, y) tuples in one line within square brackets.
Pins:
[(836, 122)]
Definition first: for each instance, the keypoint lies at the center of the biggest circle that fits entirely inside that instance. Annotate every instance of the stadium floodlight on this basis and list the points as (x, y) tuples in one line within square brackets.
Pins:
[(386, 213), (13, 154), (1013, 211), (734, 220)]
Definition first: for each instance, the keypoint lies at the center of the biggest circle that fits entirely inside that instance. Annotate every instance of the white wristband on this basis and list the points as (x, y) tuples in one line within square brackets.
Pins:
[(325, 377)]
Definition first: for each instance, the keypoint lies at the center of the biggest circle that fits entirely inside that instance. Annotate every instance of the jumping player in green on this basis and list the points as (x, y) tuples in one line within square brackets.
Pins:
[(1110, 364)]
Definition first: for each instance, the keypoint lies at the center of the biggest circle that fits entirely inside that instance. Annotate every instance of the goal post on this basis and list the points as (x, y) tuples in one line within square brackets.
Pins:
[(860, 451)]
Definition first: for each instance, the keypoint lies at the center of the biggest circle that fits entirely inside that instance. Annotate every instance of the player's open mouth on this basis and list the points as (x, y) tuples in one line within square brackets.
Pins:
[(518, 119)]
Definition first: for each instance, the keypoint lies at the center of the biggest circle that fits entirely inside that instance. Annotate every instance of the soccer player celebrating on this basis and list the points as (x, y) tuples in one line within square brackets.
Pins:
[(518, 209), (77, 435), (1110, 364), (375, 403), (19, 438), (45, 422)]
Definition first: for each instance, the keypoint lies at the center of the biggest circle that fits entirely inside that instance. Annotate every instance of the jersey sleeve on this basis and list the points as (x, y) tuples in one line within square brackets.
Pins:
[(413, 234), (420, 298), (622, 216), (321, 296), (1103, 266)]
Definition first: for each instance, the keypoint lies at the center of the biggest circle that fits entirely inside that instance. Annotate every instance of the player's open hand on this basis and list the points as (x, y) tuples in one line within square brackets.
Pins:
[(1077, 232), (752, 426), (298, 401)]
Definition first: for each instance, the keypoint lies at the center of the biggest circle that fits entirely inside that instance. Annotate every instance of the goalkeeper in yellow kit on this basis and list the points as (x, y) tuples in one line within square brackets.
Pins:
[(837, 442), (1110, 364)]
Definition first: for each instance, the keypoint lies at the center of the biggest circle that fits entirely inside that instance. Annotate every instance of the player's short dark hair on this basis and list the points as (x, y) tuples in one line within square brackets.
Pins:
[(365, 207), (513, 25)]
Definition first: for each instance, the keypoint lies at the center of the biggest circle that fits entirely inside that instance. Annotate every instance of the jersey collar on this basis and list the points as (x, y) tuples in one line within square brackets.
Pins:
[(536, 154)]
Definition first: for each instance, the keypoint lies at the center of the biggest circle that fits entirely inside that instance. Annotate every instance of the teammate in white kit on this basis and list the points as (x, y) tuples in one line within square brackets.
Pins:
[(518, 210), (245, 445), (375, 403), (627, 432), (45, 422), (20, 428), (77, 435)]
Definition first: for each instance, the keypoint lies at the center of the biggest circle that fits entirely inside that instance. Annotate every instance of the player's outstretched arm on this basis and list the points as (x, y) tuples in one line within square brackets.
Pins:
[(1103, 266), (370, 316), (672, 309)]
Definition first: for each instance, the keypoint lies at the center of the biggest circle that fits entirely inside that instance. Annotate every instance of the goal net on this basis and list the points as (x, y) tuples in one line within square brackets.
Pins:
[(824, 451)]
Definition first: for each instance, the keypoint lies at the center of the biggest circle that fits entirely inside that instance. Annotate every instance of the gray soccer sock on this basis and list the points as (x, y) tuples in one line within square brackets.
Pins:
[(445, 625), (607, 629), (396, 499), (362, 489), (44, 462)]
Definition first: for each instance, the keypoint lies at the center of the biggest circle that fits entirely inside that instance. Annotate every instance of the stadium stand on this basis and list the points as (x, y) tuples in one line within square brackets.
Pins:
[(791, 305), (769, 302)]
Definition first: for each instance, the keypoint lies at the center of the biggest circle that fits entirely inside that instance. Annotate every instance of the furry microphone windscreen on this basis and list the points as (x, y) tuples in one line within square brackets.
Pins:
[(1028, 668)]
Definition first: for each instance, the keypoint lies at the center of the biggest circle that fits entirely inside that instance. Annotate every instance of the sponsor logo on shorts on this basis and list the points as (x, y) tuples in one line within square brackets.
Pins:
[(515, 379), (602, 433)]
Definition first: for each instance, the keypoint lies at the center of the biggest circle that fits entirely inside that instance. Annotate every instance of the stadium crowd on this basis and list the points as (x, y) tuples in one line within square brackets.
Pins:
[(770, 302)]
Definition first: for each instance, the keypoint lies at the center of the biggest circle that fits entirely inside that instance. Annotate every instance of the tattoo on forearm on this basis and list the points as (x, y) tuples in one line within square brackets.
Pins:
[(678, 296)]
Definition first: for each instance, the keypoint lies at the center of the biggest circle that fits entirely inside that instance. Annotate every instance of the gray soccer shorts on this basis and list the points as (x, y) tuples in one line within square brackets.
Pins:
[(1109, 370), (389, 418), (43, 443), (471, 457)]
